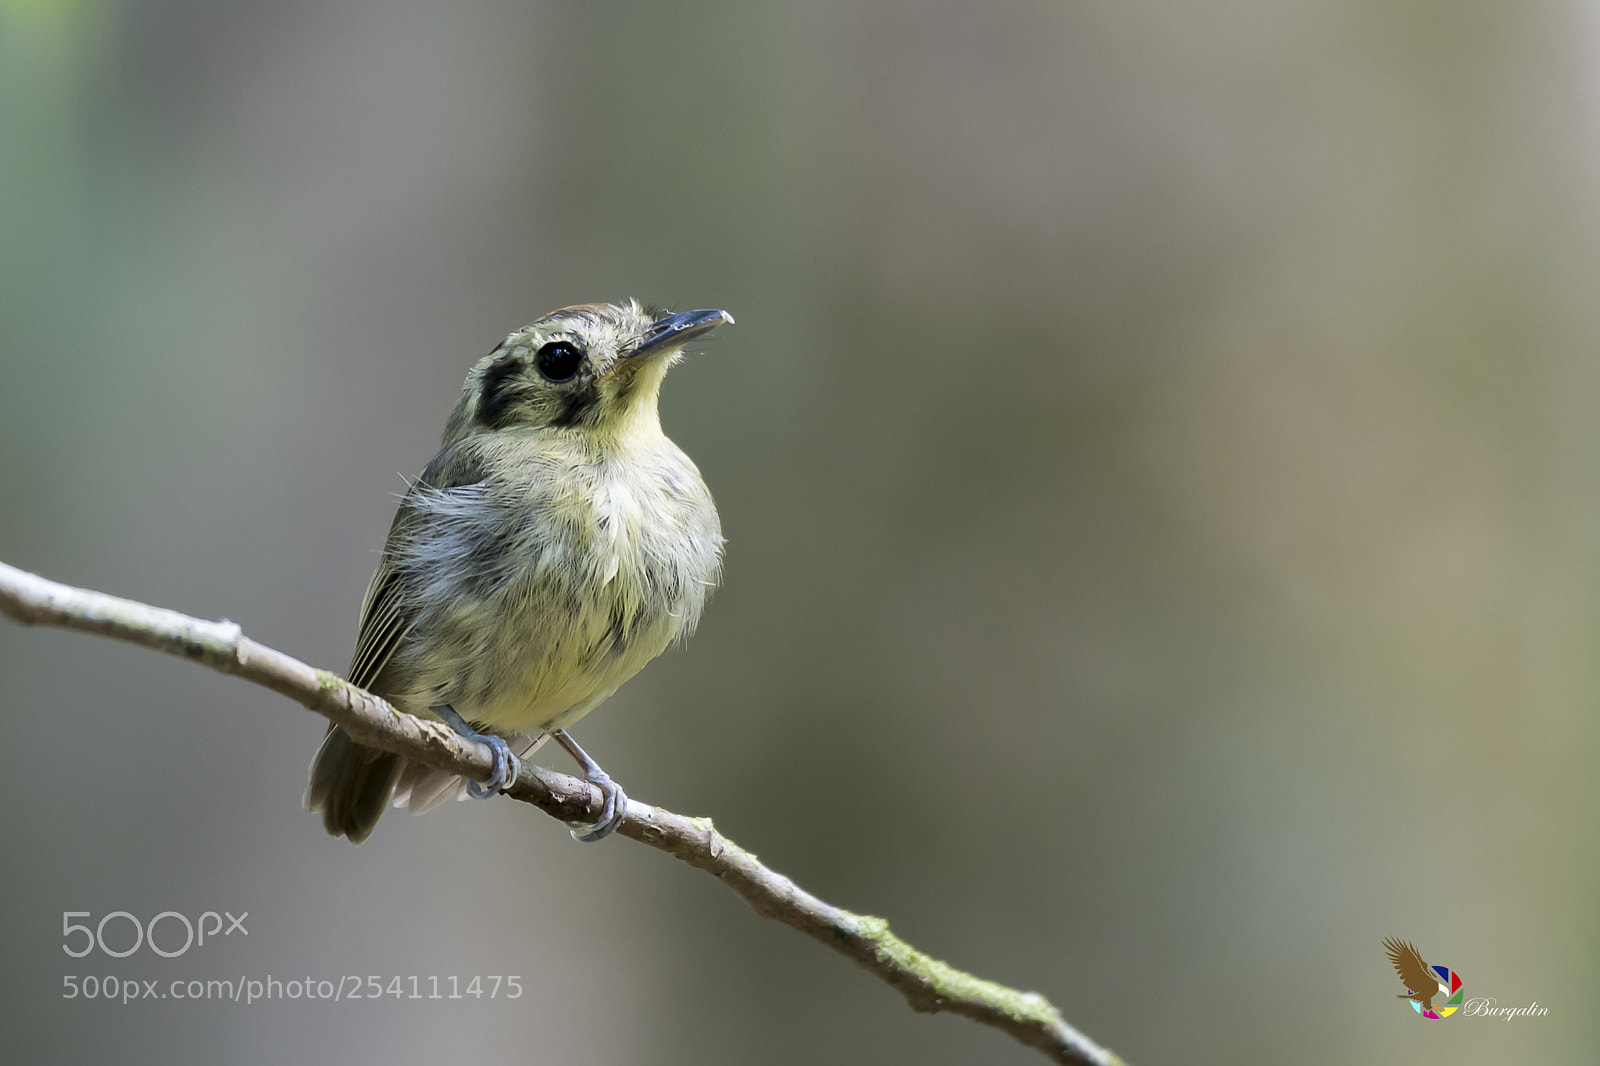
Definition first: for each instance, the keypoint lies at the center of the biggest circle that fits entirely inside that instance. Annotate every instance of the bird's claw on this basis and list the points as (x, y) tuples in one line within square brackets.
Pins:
[(506, 765), (506, 768), (612, 813)]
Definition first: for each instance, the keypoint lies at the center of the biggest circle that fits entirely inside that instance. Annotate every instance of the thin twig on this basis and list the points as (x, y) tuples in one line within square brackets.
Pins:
[(927, 984)]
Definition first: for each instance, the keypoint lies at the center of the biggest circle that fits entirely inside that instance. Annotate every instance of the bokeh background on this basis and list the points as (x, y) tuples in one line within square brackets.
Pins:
[(1159, 459)]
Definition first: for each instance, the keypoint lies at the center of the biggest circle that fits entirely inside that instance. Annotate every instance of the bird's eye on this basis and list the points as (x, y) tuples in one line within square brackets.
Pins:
[(558, 360)]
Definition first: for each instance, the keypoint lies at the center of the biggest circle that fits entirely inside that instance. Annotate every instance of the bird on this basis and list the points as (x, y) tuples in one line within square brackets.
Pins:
[(556, 544), (1414, 973)]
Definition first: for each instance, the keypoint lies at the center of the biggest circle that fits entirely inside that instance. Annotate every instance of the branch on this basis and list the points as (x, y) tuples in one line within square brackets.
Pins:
[(928, 984)]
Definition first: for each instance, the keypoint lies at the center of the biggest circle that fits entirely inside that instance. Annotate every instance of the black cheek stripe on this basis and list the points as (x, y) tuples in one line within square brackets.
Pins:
[(496, 390)]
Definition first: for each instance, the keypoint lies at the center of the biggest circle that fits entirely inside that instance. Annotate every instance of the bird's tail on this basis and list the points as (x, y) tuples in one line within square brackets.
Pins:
[(351, 785)]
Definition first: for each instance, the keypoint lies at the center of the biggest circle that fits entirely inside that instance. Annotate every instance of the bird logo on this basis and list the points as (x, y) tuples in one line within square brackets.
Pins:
[(1424, 983)]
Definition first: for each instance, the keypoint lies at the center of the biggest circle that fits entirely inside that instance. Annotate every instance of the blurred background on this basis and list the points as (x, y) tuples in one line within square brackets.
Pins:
[(1157, 452)]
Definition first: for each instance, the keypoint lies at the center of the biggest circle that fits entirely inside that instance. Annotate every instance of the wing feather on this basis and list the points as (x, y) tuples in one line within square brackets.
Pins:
[(385, 616), (383, 625)]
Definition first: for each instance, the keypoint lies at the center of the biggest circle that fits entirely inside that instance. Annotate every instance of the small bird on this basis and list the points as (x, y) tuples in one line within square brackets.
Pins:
[(556, 544), (1420, 983)]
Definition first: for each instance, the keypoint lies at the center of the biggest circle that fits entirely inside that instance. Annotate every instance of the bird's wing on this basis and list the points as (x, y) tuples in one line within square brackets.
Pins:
[(385, 616), (383, 623), (1409, 965)]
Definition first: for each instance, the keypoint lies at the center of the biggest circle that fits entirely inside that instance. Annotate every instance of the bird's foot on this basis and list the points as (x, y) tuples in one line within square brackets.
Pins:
[(615, 807), (611, 815), (506, 765), (506, 768)]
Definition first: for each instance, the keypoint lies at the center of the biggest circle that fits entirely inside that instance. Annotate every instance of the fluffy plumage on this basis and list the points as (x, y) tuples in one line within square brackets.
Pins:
[(556, 544)]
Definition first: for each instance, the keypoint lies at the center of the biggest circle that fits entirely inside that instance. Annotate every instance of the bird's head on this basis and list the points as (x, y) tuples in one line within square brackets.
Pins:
[(593, 368)]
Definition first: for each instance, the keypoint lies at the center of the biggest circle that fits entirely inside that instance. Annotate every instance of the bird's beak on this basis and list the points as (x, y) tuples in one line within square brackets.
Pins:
[(672, 331)]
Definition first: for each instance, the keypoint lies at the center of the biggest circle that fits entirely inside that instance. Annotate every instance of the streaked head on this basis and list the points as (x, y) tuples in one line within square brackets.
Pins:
[(592, 367)]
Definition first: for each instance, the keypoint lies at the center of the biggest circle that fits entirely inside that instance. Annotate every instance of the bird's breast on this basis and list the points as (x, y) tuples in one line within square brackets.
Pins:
[(570, 584)]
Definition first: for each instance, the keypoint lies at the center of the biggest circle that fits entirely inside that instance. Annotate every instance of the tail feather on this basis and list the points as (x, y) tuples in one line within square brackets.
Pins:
[(351, 785)]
